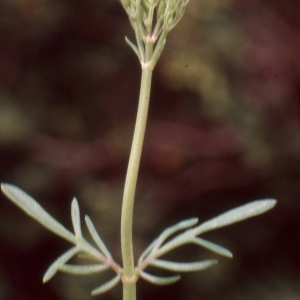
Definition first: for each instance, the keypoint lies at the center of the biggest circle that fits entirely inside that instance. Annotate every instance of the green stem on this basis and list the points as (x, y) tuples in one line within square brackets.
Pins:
[(129, 276)]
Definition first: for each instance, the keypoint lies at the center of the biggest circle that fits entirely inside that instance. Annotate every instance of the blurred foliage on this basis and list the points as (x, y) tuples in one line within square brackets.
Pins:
[(224, 128)]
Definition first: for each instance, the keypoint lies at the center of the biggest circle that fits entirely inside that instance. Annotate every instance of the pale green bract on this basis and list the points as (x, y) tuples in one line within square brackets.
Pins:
[(150, 257)]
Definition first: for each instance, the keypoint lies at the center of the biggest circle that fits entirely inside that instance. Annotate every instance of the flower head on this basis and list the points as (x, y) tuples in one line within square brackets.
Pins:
[(152, 20)]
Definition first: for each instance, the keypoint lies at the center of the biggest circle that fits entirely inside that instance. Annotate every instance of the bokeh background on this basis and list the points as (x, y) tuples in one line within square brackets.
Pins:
[(224, 129)]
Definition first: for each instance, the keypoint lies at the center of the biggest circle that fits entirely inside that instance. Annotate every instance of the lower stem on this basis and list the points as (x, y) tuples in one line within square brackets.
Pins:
[(129, 275), (129, 291)]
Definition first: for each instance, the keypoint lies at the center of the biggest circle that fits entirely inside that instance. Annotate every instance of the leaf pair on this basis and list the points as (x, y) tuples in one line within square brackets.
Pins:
[(151, 254)]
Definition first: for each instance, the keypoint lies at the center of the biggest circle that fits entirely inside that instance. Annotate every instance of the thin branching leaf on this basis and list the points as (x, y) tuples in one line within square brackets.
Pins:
[(212, 247), (238, 214), (86, 256), (171, 230), (132, 46), (90, 252), (147, 251), (235, 215), (75, 214), (140, 45), (183, 267), (177, 241), (60, 261), (86, 247), (36, 211), (159, 280), (158, 49), (83, 269), (96, 236), (106, 286)]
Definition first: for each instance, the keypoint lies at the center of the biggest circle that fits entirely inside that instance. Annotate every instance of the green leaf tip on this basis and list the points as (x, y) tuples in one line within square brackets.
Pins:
[(75, 214), (212, 247), (238, 214), (36, 211)]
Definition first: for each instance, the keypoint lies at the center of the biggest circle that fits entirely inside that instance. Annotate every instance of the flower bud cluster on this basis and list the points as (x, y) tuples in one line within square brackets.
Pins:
[(152, 20)]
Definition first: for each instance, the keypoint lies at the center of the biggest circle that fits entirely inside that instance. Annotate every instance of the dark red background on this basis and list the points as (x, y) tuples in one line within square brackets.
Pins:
[(224, 129)]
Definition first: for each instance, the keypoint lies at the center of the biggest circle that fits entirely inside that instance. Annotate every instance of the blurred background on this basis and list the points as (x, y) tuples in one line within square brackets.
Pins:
[(224, 129)]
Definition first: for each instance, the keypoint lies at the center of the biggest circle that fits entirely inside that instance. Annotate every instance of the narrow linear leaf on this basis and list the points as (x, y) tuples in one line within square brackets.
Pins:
[(138, 36), (36, 211), (158, 49), (246, 211), (182, 239), (92, 254), (212, 247), (132, 46), (171, 230), (235, 215), (83, 269), (158, 26), (106, 286), (183, 267), (147, 251), (59, 262), (96, 236), (86, 256), (89, 249), (159, 280), (75, 214)]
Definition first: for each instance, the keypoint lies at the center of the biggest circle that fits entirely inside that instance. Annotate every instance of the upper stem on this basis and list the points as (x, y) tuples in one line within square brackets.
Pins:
[(129, 276)]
